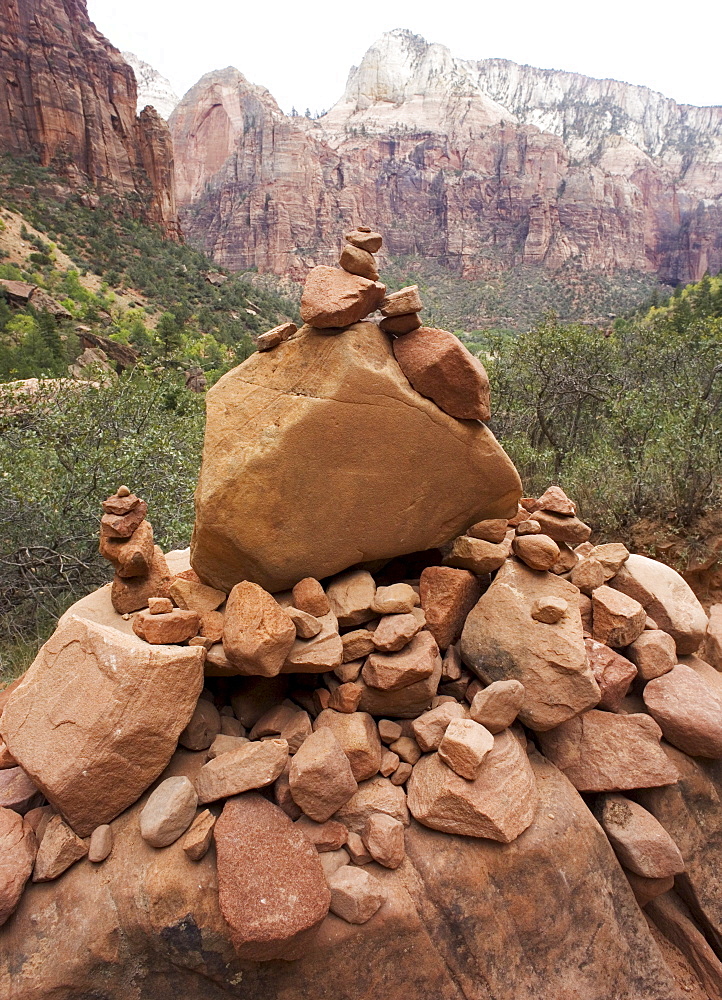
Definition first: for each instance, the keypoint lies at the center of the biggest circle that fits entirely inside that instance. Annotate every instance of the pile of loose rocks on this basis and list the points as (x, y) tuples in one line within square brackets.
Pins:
[(308, 718), (326, 716)]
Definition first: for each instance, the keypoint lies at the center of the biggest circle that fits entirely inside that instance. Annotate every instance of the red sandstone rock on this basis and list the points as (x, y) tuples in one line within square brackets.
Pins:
[(333, 298), (399, 325), (394, 632), (351, 596), (377, 795), (447, 597), (493, 530), (328, 836), (429, 728), (474, 554), (355, 894), (497, 706), (392, 671), (612, 672), (18, 847), (358, 737), (498, 804), (464, 746), (58, 850), (639, 840), (654, 652), (199, 837), (537, 551), (406, 300), (562, 528), (308, 595), (130, 556), (384, 838), (194, 596), (618, 619), (555, 499), (364, 239), (604, 752), (17, 791), (204, 726), (398, 599), (175, 627), (133, 593), (271, 886), (272, 338), (257, 634), (688, 711), (252, 765), (358, 261), (438, 365), (549, 610), (321, 777)]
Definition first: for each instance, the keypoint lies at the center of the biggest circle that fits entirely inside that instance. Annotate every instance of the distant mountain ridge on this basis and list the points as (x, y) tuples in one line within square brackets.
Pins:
[(153, 88), (481, 165)]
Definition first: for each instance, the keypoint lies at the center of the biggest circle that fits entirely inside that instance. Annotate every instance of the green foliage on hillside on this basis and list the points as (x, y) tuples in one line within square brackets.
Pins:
[(62, 450), (187, 320), (629, 420)]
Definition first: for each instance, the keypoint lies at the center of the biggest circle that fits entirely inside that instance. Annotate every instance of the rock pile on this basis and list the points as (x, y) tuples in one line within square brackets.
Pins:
[(270, 756)]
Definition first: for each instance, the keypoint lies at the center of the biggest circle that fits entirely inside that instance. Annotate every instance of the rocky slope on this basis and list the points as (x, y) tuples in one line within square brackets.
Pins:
[(479, 165), (70, 99), (153, 88)]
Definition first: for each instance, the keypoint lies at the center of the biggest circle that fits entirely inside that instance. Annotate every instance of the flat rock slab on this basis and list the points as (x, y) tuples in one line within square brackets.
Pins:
[(603, 752), (501, 641), (498, 804), (271, 885), (98, 716), (639, 840), (666, 598), (688, 711), (427, 476)]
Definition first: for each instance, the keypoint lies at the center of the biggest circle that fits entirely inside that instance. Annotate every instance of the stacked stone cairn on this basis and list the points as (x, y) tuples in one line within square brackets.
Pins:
[(299, 731)]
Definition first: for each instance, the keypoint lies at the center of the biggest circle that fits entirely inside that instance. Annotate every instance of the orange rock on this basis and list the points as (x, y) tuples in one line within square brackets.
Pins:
[(175, 627), (333, 298), (556, 500), (618, 619), (272, 338), (392, 671), (497, 705), (58, 850), (193, 596), (123, 525), (130, 556), (321, 777), (612, 672), (132, 594), (549, 610), (198, 839), (640, 841), (406, 300), (351, 596), (429, 728), (271, 886), (464, 746), (493, 530), (474, 554), (402, 703), (346, 697), (399, 325), (604, 752), (384, 838), (307, 626), (18, 848), (561, 527), (17, 791), (212, 625), (257, 633), (355, 894), (688, 711), (358, 261), (123, 704), (654, 652), (588, 574), (394, 632), (364, 239), (447, 597), (308, 595), (377, 795), (539, 552), (499, 804), (252, 765), (438, 366), (357, 644), (328, 836)]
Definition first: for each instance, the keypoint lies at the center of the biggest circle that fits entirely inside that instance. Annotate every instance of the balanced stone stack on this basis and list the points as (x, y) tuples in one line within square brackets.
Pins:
[(373, 700), (126, 541)]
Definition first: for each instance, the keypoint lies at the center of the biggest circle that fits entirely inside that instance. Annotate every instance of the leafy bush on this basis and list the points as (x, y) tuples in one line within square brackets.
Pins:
[(63, 450)]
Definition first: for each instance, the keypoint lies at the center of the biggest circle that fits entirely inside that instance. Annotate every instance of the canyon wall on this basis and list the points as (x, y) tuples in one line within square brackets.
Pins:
[(482, 165), (69, 98)]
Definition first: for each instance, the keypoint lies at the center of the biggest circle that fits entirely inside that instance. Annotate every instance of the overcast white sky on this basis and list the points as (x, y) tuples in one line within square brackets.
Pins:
[(302, 51)]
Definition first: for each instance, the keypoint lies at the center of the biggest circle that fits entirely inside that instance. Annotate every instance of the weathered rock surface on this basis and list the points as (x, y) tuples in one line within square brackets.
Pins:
[(593, 943), (258, 635), (501, 641), (320, 776), (252, 765), (603, 752), (666, 598), (358, 737), (333, 298), (447, 596), (688, 711), (498, 804), (267, 426), (98, 716), (403, 703), (639, 840), (271, 886), (18, 847)]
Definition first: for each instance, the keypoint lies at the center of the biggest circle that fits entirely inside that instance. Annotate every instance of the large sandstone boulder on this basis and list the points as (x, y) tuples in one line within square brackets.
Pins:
[(98, 716), (280, 496), (550, 915), (502, 641)]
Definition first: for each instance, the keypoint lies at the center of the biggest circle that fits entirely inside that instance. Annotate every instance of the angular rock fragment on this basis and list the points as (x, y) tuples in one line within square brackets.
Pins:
[(499, 804), (447, 596), (688, 711), (365, 239), (611, 556), (464, 746), (321, 778), (394, 632), (403, 302), (306, 625), (555, 499), (562, 528), (358, 261), (407, 749), (406, 702), (429, 728), (612, 672), (328, 836), (168, 812), (256, 695), (398, 599), (98, 716), (666, 598), (194, 596), (497, 706), (58, 850), (323, 652), (588, 574), (271, 886), (493, 530), (618, 619), (334, 298), (549, 609), (345, 698), (244, 528), (133, 593), (392, 671), (17, 791), (132, 556), (389, 731), (377, 795), (355, 894), (351, 596), (124, 525), (604, 752), (438, 366), (384, 838), (204, 726), (257, 633), (399, 325), (173, 628), (501, 641), (253, 765), (358, 737), (18, 848), (198, 839), (653, 652), (272, 338), (639, 840)]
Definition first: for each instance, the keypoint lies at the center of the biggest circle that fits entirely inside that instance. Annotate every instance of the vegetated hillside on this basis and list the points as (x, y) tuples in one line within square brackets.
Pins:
[(120, 277)]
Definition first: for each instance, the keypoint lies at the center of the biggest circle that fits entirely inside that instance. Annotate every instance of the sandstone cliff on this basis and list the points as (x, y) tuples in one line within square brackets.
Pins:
[(69, 98), (483, 165)]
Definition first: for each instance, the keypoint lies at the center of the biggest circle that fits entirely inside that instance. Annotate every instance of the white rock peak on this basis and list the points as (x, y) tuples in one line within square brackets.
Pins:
[(153, 88)]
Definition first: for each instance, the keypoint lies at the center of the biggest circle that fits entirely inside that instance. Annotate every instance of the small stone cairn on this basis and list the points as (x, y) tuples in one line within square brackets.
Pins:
[(307, 727)]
